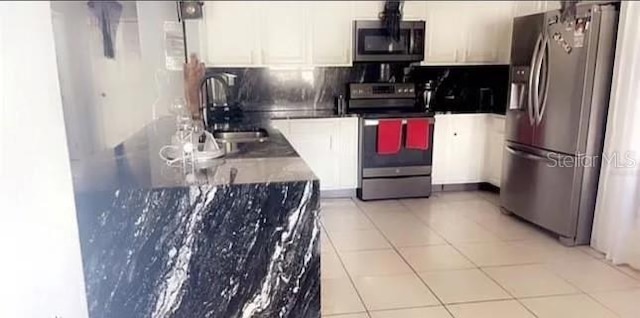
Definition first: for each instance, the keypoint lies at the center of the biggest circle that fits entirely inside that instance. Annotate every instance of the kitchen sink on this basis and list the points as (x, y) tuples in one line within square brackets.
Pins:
[(231, 139), (241, 136)]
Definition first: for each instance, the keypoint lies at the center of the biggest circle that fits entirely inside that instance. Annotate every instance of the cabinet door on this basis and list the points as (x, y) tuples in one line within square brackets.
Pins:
[(331, 32), (495, 147), (498, 140), (467, 148), (347, 153), (488, 31), (284, 32), (551, 5), (529, 7), (441, 148), (414, 10), (367, 10), (444, 31), (314, 140), (281, 125), (230, 33)]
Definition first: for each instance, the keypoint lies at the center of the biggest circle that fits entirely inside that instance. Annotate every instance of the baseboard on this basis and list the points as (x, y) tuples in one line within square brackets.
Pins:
[(339, 193), (484, 186)]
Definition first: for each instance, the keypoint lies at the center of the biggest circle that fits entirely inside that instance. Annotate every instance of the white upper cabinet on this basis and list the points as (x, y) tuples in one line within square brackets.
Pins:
[(367, 10), (227, 41), (530, 7), (283, 29), (331, 32), (319, 33), (488, 37), (414, 10), (444, 32), (468, 32)]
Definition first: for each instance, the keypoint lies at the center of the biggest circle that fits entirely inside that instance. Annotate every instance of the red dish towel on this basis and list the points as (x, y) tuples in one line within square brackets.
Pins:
[(417, 134), (389, 137)]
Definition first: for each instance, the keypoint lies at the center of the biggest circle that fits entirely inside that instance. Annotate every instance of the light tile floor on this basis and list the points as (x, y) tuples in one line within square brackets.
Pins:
[(456, 255)]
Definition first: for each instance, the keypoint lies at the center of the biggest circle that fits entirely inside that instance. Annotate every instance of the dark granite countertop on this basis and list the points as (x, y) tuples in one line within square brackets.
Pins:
[(135, 163)]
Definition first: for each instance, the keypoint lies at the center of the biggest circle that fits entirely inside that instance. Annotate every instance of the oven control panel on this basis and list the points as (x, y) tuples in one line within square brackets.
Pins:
[(381, 90)]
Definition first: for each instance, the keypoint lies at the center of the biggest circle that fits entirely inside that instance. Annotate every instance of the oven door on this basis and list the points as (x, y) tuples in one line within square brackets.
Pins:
[(372, 42), (407, 162)]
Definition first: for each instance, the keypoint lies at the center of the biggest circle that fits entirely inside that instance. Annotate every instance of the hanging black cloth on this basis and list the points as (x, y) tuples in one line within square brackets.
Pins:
[(391, 17), (108, 14)]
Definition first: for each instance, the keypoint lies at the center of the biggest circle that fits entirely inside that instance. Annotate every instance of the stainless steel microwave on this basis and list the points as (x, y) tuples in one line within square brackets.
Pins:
[(372, 42)]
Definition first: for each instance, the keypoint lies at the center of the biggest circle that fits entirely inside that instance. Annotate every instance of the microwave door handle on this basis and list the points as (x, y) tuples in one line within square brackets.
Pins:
[(412, 44)]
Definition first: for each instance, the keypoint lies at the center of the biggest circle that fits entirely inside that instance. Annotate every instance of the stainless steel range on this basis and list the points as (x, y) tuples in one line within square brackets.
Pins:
[(404, 170)]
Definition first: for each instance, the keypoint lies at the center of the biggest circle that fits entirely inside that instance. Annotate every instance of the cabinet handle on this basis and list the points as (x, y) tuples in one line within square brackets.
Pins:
[(455, 133)]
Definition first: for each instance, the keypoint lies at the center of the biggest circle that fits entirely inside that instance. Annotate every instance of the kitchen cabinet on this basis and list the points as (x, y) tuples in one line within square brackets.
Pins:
[(530, 7), (444, 32), (229, 33), (283, 29), (468, 32), (319, 33), (414, 10), (328, 145), (494, 149), (488, 37), (367, 10), (331, 32), (459, 148)]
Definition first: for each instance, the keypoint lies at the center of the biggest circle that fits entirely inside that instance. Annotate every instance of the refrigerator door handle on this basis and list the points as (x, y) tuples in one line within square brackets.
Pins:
[(544, 61), (532, 95), (525, 155), (537, 70)]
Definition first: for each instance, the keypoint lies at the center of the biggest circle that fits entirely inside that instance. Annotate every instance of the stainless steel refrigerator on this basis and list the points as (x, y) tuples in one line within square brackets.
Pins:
[(560, 83)]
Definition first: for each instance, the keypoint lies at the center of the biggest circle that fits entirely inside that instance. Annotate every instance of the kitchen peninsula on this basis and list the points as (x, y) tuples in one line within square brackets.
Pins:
[(239, 239)]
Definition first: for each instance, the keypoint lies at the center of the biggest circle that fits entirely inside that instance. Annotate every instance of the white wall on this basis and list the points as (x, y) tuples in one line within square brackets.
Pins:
[(40, 270)]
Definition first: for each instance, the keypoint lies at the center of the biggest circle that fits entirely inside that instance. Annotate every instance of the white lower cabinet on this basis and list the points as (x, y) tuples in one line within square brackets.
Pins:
[(328, 145), (494, 150), (467, 148), (459, 148)]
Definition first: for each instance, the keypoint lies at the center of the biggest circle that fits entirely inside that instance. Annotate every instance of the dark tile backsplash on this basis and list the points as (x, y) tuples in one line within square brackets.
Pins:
[(475, 88), (457, 90)]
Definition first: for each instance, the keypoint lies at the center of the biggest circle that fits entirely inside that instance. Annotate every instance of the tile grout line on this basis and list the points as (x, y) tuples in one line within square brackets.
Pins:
[(602, 260), (412, 212), (602, 304), (403, 258), (486, 274), (580, 291), (348, 276)]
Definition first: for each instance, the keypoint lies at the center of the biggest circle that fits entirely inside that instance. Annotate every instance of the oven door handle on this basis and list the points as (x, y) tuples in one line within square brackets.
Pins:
[(375, 122)]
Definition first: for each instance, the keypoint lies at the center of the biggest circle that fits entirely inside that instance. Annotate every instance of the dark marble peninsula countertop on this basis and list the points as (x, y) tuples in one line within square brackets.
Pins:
[(158, 243)]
